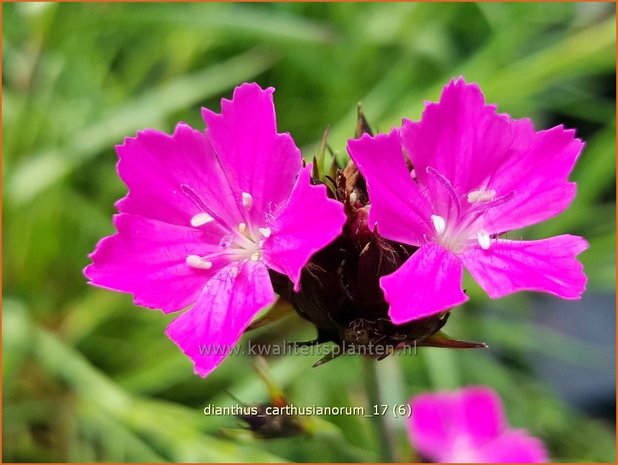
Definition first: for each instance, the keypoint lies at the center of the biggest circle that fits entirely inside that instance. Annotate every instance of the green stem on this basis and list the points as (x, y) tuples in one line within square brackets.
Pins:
[(372, 387)]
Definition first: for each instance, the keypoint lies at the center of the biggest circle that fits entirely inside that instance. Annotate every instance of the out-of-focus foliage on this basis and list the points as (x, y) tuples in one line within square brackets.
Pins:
[(89, 377)]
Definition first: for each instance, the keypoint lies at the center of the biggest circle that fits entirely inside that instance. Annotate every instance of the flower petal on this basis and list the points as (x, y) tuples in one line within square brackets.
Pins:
[(460, 137), (429, 282), (537, 174), (547, 265), (209, 330), (513, 446), (264, 163), (477, 149), (146, 258), (307, 223), (169, 177), (479, 414), (430, 428), (397, 206)]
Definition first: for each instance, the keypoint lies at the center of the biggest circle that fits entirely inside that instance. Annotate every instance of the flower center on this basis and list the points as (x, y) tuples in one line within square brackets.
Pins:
[(243, 242), (459, 223)]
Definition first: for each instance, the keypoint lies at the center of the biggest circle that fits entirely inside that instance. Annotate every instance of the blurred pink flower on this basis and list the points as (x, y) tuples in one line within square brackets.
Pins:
[(476, 175), (468, 426), (206, 215)]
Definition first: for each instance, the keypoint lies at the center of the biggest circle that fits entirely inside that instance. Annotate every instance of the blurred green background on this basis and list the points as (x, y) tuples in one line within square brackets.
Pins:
[(89, 377)]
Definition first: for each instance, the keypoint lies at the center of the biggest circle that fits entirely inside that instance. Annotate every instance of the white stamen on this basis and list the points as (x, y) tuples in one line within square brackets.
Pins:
[(484, 240), (413, 173), (255, 257), (201, 219), (481, 196), (353, 196), (234, 272), (195, 261), (438, 223), (247, 200), (266, 232), (242, 228)]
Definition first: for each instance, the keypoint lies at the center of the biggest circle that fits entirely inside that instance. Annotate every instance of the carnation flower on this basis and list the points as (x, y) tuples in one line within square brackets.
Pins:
[(468, 426), (207, 215), (452, 185)]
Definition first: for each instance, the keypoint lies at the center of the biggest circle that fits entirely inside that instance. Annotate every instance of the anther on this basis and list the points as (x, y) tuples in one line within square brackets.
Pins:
[(201, 219), (242, 228), (438, 223), (247, 200), (266, 232), (195, 261), (481, 196), (255, 257), (495, 202), (413, 174), (483, 239)]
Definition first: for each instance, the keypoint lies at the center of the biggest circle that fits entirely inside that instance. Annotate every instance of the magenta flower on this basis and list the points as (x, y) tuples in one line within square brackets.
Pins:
[(206, 215), (452, 184), (468, 426)]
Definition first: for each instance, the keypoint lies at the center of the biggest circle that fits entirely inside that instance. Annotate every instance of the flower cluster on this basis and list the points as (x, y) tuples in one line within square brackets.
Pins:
[(220, 220)]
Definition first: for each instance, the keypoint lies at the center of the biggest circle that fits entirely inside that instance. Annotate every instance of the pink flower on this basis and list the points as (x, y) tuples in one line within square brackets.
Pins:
[(206, 215), (468, 426), (452, 184)]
